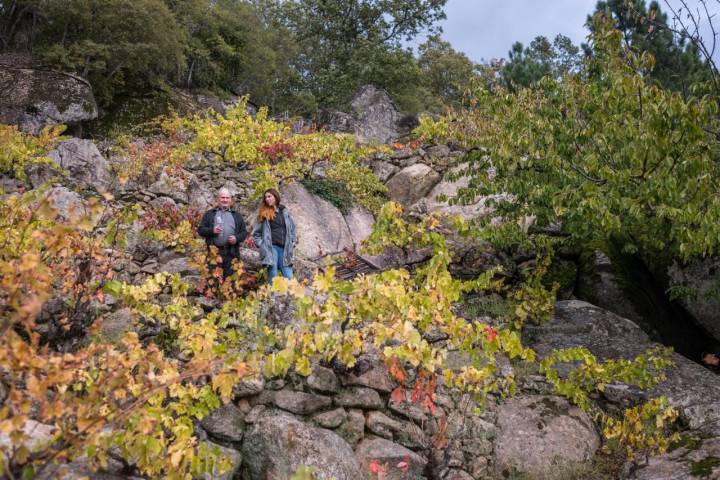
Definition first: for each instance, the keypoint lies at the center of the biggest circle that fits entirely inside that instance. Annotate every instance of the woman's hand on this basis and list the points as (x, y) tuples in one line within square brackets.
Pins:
[(711, 359)]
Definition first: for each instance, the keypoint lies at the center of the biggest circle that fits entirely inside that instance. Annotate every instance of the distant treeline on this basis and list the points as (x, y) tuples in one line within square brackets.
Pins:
[(294, 56)]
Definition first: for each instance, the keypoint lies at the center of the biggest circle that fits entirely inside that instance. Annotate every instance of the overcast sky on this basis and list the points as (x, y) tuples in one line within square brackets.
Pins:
[(486, 29)]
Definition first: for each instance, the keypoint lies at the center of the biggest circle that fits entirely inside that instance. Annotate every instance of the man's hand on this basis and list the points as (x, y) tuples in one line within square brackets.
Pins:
[(217, 229), (232, 240)]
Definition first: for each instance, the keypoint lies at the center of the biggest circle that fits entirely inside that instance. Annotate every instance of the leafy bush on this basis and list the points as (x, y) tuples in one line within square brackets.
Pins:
[(276, 155), (141, 163), (605, 152), (331, 190), (588, 374), (20, 150), (167, 341), (643, 430), (174, 226)]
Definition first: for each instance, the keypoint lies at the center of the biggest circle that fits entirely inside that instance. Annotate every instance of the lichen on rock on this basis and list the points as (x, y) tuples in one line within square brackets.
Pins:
[(34, 99)]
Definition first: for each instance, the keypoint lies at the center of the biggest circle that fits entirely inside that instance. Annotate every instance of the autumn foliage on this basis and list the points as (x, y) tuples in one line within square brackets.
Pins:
[(129, 400)]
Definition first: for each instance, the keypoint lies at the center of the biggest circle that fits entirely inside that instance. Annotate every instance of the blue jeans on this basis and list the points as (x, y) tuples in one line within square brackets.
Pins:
[(286, 270)]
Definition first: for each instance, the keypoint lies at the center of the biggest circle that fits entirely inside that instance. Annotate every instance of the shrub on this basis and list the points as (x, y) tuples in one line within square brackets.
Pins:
[(331, 190)]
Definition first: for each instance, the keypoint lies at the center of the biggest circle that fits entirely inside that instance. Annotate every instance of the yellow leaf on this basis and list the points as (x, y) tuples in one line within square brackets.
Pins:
[(280, 285), (176, 458), (302, 366), (297, 289), (34, 386)]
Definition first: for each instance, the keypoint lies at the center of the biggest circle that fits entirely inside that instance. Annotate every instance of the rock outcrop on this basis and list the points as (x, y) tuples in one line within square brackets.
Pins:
[(412, 183), (185, 188), (699, 458), (83, 164), (374, 117), (225, 425), (233, 456), (692, 389), (701, 278), (38, 434), (602, 288), (34, 99), (81, 469), (344, 422), (321, 228), (538, 433), (68, 204), (437, 199)]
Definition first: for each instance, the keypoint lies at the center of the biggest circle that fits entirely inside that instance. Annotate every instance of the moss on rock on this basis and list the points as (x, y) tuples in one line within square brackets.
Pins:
[(704, 467), (33, 99)]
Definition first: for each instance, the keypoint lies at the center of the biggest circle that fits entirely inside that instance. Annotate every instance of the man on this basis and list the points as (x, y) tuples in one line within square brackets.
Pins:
[(224, 228)]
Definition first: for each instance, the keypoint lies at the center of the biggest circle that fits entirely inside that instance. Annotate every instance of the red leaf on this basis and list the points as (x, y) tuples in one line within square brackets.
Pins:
[(380, 469), (432, 384), (396, 371), (428, 404), (398, 395), (417, 391), (490, 333), (440, 440)]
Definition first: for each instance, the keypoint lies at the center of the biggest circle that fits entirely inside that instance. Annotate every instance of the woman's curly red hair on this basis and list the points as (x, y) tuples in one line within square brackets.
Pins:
[(267, 212)]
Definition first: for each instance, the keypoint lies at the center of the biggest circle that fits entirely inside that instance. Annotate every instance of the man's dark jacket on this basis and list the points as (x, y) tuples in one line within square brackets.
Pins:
[(205, 230)]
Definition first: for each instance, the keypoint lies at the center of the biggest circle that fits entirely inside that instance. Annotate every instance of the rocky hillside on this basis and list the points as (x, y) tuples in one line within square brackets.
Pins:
[(349, 423)]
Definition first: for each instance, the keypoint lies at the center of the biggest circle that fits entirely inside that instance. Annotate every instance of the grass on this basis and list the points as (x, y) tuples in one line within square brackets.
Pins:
[(601, 467), (704, 467)]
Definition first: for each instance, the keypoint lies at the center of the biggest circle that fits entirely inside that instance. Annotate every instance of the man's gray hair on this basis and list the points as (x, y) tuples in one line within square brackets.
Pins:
[(224, 190)]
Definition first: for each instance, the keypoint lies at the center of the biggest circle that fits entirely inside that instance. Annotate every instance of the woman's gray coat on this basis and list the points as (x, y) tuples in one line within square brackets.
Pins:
[(263, 239)]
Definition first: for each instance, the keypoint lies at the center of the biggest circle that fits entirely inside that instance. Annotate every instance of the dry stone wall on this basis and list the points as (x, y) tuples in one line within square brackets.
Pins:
[(343, 423)]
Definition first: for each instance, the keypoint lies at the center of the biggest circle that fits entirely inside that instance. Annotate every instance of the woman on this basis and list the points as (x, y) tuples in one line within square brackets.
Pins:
[(274, 235)]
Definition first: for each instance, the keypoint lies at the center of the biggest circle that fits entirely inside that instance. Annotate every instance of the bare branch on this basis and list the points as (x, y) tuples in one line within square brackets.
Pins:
[(689, 28)]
